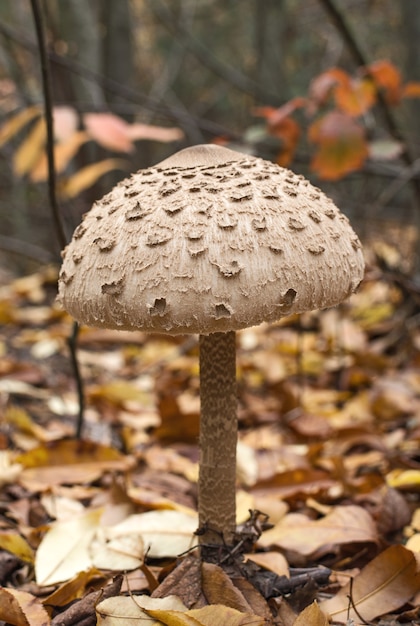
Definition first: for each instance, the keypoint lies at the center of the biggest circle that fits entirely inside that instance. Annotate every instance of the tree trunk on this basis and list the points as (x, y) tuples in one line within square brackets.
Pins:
[(218, 438)]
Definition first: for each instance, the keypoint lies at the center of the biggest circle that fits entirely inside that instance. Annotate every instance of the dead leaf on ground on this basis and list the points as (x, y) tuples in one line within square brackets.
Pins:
[(20, 608), (385, 584), (344, 525)]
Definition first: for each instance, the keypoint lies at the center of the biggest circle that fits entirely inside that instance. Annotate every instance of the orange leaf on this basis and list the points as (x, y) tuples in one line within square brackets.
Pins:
[(154, 133), (281, 125), (342, 145), (411, 89), (387, 78), (385, 584), (109, 131), (320, 87), (355, 97)]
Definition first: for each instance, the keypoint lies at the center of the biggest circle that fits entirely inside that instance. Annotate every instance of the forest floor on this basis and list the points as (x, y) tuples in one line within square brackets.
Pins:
[(329, 450)]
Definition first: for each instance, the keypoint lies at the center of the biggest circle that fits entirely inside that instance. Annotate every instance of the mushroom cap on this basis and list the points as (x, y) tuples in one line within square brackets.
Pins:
[(208, 240)]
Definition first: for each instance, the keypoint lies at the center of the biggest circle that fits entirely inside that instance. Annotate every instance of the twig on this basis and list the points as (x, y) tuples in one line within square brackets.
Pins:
[(113, 86), (52, 185), (25, 249), (206, 57), (46, 86)]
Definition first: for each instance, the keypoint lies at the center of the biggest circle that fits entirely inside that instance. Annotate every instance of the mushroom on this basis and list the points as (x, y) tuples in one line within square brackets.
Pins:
[(210, 241)]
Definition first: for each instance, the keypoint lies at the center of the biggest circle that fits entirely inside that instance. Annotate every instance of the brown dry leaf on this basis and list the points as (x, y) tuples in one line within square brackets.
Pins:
[(22, 609), (219, 588), (74, 588), (120, 611), (311, 616), (385, 584), (272, 561), (212, 615), (344, 525)]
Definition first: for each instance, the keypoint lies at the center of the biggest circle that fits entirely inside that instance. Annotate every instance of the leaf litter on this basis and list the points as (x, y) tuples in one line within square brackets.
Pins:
[(102, 530)]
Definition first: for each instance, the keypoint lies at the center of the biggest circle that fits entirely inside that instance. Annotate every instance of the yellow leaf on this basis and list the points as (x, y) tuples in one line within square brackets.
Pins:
[(63, 153), (404, 479), (17, 545), (16, 122), (88, 175), (30, 149), (384, 585), (22, 609)]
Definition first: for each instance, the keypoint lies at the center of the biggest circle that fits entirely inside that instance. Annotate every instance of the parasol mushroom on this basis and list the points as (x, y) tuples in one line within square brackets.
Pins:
[(210, 241)]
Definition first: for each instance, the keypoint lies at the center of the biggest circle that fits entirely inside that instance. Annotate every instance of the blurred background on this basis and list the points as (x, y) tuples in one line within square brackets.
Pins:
[(327, 88)]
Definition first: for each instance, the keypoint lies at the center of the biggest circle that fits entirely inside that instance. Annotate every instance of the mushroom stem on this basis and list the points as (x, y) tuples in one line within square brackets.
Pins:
[(218, 439)]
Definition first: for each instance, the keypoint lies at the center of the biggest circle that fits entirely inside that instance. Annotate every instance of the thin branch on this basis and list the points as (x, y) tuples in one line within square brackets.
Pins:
[(25, 249), (46, 87), (206, 57), (114, 87), (52, 185)]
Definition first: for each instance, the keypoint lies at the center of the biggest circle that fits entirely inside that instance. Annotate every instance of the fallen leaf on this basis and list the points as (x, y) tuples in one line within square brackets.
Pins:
[(165, 533), (20, 608), (65, 549), (344, 525), (385, 584), (220, 615), (311, 616), (119, 611), (68, 462), (272, 561), (17, 545)]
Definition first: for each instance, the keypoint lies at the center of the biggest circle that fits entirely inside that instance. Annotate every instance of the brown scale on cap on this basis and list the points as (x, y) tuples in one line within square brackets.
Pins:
[(208, 240)]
